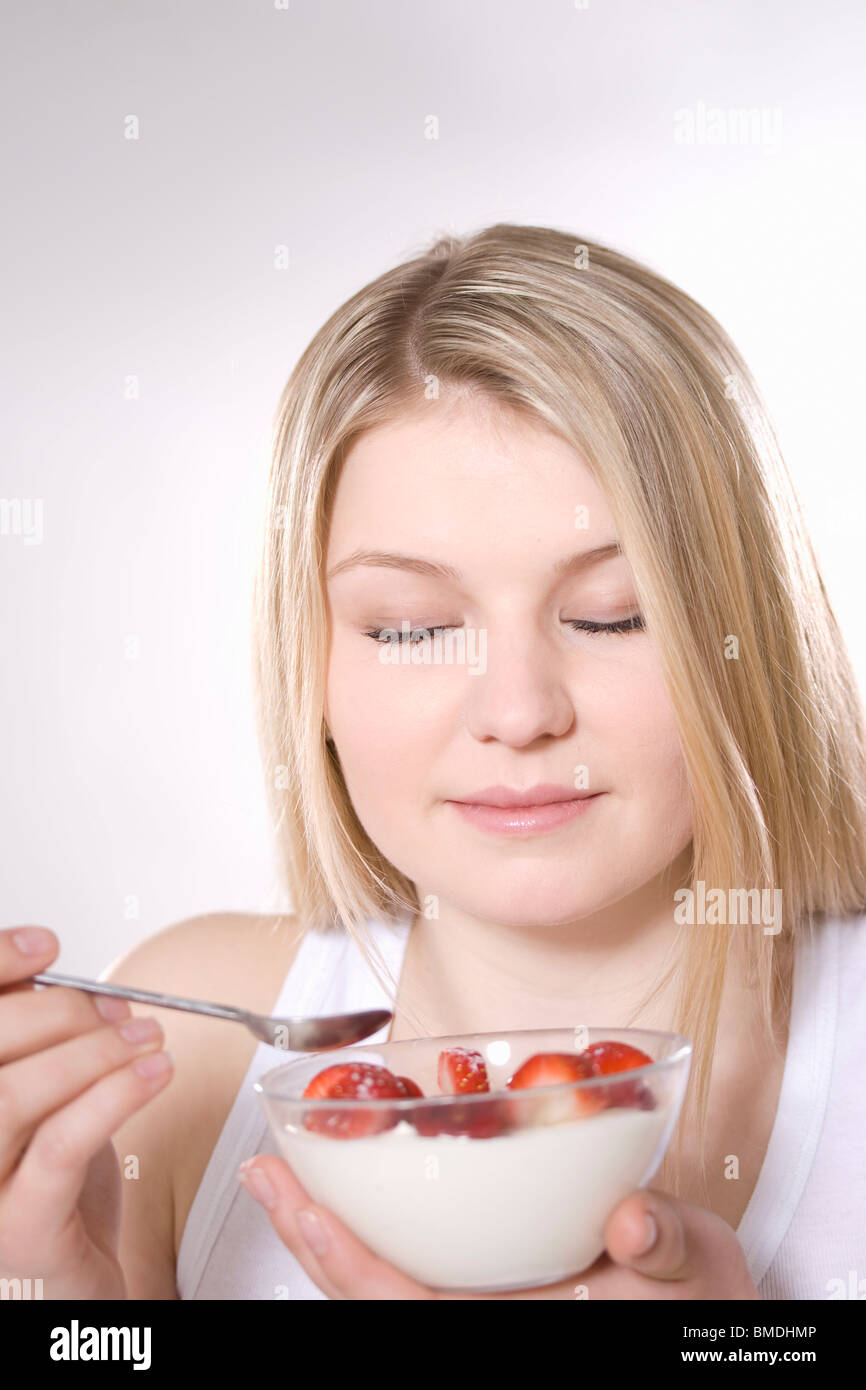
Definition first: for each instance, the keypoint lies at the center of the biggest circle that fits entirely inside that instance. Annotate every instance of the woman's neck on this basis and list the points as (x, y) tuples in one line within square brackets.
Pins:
[(464, 974)]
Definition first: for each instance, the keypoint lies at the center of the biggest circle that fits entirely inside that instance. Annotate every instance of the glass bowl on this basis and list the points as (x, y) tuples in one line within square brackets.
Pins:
[(487, 1192)]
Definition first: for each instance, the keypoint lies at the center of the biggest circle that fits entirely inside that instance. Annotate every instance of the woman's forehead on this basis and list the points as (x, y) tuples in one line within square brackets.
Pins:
[(451, 474)]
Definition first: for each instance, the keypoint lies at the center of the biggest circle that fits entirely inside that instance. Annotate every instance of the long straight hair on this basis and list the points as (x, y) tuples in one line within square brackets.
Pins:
[(644, 383)]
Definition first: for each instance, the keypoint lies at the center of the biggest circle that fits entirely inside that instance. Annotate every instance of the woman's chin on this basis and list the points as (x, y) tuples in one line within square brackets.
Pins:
[(528, 909)]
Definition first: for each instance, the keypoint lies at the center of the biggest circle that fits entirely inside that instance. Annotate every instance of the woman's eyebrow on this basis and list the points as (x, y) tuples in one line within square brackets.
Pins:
[(388, 559)]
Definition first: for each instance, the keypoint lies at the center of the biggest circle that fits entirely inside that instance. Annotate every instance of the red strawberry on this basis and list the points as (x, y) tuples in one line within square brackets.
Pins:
[(553, 1068), (633, 1093), (410, 1087), (485, 1120), (352, 1081), (606, 1058), (462, 1071)]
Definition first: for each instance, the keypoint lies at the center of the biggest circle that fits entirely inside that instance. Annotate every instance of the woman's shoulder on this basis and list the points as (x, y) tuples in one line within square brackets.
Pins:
[(227, 958), (235, 948)]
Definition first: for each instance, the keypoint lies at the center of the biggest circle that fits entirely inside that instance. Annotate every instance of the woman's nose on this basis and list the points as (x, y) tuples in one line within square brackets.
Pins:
[(521, 694)]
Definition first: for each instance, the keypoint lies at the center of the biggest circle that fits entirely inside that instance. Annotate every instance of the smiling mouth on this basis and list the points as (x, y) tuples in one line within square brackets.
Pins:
[(531, 818), (510, 798)]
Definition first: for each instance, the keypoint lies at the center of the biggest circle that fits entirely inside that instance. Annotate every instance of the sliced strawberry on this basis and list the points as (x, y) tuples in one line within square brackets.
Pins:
[(410, 1087), (483, 1121), (554, 1068), (632, 1093), (462, 1071), (549, 1069), (352, 1081), (607, 1058)]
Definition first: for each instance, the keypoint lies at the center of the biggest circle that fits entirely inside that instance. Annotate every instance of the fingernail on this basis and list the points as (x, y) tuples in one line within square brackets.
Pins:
[(154, 1064), (110, 1008), (32, 941), (139, 1030), (313, 1231), (651, 1233), (257, 1185)]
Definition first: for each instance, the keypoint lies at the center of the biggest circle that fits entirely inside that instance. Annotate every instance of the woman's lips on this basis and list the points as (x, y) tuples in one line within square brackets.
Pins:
[(520, 820)]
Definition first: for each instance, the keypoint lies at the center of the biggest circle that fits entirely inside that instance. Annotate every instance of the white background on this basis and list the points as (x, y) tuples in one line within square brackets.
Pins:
[(132, 792)]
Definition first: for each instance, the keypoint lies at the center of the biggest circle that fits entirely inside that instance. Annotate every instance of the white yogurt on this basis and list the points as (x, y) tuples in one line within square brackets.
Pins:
[(524, 1209)]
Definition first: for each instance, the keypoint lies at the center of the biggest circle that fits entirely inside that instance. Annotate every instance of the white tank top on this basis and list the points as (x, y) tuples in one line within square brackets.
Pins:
[(803, 1232)]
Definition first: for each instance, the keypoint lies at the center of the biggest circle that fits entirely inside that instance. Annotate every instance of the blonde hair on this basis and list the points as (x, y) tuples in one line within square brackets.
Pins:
[(643, 382)]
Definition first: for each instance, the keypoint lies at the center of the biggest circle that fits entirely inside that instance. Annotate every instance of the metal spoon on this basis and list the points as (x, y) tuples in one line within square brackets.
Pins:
[(287, 1034)]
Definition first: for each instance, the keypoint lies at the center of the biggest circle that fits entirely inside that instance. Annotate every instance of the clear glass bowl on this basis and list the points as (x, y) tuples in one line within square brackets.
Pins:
[(490, 1191)]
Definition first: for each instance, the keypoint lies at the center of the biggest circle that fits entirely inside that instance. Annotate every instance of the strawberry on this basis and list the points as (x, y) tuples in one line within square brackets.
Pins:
[(554, 1068), (633, 1093), (607, 1058), (354, 1081), (410, 1087), (485, 1121), (462, 1071)]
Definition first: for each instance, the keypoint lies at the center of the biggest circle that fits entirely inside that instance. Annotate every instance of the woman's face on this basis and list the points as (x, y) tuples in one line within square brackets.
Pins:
[(528, 700)]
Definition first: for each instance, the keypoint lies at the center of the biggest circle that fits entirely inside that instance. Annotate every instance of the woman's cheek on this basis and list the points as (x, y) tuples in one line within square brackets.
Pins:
[(380, 731), (634, 722)]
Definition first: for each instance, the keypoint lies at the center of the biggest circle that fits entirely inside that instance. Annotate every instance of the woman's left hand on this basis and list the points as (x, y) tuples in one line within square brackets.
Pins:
[(694, 1254)]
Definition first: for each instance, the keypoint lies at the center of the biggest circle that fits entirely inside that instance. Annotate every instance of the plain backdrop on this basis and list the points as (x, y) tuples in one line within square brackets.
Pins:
[(132, 790)]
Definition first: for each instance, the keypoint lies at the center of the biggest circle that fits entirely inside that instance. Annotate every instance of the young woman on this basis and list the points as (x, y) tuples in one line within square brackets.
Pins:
[(544, 446)]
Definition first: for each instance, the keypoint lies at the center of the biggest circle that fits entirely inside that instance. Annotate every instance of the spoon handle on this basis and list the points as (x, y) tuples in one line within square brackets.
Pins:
[(143, 996)]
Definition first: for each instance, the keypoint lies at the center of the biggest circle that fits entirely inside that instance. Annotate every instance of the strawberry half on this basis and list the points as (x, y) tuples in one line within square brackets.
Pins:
[(352, 1081), (410, 1087), (482, 1121), (554, 1068), (461, 1071), (607, 1058), (631, 1093)]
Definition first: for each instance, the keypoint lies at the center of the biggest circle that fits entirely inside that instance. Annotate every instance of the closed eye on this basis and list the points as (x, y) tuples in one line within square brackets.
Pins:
[(394, 635), (633, 624)]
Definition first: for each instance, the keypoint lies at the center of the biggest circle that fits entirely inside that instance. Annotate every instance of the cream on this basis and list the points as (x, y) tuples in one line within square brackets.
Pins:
[(524, 1209)]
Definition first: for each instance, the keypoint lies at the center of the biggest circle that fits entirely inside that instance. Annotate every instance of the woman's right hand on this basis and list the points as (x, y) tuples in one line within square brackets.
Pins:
[(68, 1080)]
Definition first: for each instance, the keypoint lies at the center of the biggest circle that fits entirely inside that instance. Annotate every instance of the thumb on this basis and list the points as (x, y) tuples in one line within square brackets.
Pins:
[(683, 1242), (655, 1235)]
